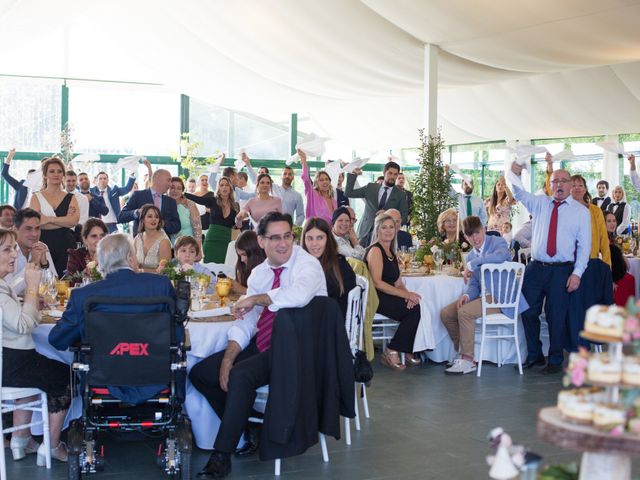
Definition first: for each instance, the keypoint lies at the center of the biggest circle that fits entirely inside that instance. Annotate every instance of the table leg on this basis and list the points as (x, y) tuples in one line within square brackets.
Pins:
[(605, 466)]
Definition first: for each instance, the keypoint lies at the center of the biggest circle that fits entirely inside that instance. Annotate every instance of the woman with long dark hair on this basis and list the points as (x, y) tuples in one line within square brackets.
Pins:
[(222, 215), (263, 203), (499, 205), (317, 239), (250, 255)]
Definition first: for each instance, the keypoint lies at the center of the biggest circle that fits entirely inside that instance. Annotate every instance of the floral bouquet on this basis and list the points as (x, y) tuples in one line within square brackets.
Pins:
[(175, 271), (89, 274)]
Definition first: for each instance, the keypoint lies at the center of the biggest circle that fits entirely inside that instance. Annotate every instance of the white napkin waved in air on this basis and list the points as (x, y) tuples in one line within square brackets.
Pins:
[(524, 153), (613, 147), (34, 180), (215, 166), (463, 176), (355, 163), (313, 146), (238, 163), (565, 154), (333, 169), (129, 163)]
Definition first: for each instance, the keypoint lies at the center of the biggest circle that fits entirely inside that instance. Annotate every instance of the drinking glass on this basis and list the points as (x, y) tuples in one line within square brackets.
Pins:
[(438, 259)]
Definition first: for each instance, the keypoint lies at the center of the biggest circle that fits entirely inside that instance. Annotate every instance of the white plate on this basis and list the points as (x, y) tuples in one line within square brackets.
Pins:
[(53, 313), (214, 312)]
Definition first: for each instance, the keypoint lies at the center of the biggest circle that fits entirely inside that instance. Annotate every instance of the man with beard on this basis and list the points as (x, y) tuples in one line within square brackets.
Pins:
[(291, 200), (378, 198), (97, 205)]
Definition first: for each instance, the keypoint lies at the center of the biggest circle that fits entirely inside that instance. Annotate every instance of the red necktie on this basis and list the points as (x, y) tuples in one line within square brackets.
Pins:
[(553, 229), (265, 322)]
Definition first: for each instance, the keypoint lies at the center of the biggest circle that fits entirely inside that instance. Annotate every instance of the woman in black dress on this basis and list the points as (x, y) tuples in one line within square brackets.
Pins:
[(223, 209), (59, 213), (396, 302), (317, 239)]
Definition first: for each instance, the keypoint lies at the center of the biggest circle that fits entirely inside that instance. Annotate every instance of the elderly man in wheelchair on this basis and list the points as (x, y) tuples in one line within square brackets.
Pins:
[(127, 335)]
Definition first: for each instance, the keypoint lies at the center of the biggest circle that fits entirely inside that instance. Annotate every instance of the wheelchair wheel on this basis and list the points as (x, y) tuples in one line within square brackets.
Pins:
[(185, 465), (73, 467)]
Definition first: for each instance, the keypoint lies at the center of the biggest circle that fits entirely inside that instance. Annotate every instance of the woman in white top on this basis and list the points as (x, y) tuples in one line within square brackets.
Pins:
[(151, 244), (22, 366), (59, 213), (621, 209), (345, 235)]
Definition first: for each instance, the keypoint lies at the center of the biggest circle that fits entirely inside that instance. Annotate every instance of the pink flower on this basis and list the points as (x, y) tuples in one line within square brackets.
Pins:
[(631, 324), (617, 431), (577, 377)]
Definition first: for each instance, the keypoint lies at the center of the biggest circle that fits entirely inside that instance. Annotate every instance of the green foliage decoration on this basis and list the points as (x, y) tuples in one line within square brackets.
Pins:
[(188, 158), (431, 187)]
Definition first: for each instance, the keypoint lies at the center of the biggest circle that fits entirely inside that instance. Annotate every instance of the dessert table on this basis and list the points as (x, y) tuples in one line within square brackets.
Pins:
[(437, 292)]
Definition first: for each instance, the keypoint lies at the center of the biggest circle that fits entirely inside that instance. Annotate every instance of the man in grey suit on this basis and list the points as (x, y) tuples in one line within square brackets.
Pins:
[(378, 198)]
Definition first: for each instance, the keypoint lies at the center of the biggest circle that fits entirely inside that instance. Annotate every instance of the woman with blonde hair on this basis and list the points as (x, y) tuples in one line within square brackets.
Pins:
[(621, 209), (396, 302), (59, 212), (223, 209), (499, 205), (321, 199), (448, 225), (599, 234)]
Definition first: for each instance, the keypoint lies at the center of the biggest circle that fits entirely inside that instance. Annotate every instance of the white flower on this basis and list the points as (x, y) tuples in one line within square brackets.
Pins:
[(465, 245), (186, 267), (91, 265), (435, 248)]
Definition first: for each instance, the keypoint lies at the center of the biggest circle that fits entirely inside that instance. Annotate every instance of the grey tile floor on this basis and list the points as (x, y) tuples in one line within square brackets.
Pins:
[(424, 425)]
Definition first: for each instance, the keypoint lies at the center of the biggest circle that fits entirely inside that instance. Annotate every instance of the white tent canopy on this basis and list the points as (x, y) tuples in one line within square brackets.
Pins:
[(511, 69)]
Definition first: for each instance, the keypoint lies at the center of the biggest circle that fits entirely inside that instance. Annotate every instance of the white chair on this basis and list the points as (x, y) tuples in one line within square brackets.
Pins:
[(524, 255), (501, 286), (354, 326), (231, 257), (8, 397), (260, 404), (363, 283)]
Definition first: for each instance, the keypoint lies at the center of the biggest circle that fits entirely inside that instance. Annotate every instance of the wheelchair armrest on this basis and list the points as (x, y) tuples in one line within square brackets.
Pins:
[(186, 345), (75, 347)]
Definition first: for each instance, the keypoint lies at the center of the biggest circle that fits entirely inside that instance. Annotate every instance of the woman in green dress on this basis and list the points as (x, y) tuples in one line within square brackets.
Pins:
[(223, 209), (187, 211)]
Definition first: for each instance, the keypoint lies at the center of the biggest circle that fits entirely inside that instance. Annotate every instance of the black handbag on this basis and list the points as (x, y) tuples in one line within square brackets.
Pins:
[(362, 369)]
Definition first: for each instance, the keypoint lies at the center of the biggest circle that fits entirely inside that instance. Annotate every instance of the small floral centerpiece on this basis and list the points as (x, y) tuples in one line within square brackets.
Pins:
[(89, 274), (92, 271), (175, 271)]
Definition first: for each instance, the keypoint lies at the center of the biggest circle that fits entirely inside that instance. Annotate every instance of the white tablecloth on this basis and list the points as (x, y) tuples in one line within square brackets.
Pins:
[(437, 292), (206, 339), (634, 269)]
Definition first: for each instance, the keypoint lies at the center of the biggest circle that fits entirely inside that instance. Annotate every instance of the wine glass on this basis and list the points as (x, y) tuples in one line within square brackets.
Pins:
[(223, 289), (438, 258)]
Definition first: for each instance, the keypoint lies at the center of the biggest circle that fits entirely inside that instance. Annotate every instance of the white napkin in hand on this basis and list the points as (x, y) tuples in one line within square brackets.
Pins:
[(238, 163), (355, 163), (565, 154), (313, 146), (215, 166), (129, 163), (524, 153), (463, 176), (333, 169), (34, 181)]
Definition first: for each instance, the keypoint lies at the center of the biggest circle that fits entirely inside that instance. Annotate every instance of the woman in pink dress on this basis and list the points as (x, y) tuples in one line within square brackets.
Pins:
[(261, 204), (321, 199)]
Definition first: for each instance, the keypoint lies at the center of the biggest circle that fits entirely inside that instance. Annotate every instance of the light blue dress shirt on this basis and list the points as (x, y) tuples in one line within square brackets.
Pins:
[(477, 207), (573, 240), (291, 202)]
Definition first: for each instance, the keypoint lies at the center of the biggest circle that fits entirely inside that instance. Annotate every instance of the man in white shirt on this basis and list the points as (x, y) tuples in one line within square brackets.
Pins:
[(30, 248), (291, 200), (289, 278)]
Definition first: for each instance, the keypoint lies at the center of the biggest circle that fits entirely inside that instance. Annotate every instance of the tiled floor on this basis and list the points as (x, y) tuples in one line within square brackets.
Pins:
[(424, 425)]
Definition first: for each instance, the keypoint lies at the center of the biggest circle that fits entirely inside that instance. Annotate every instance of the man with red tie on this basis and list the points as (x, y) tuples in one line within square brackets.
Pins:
[(560, 247), (288, 278)]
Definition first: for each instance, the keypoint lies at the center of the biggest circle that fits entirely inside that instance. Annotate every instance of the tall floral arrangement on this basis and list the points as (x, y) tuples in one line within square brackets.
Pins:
[(431, 188), (188, 156), (66, 144)]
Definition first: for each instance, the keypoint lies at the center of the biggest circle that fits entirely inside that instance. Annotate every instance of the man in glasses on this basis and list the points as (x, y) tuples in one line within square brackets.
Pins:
[(288, 278), (560, 248)]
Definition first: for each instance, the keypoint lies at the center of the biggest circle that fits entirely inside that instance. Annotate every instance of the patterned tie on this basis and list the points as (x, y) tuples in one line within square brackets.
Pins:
[(383, 199), (553, 230), (265, 322), (156, 199), (469, 208)]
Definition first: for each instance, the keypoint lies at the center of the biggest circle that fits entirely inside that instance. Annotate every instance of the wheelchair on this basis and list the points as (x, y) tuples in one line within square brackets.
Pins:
[(131, 370)]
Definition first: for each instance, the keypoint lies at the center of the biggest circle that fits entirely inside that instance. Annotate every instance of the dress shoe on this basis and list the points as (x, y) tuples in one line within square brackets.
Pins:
[(252, 441), (58, 453), (551, 369), (218, 466), (23, 446), (532, 363)]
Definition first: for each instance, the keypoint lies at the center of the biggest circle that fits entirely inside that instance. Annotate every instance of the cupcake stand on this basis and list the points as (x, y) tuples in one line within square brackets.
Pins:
[(604, 456)]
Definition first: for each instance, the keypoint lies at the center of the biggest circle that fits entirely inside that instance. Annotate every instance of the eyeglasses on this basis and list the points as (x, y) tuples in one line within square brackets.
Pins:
[(287, 237), (558, 182)]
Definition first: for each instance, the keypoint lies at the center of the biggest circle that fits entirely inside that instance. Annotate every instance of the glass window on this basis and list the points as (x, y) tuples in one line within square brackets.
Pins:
[(30, 115), (124, 120), (209, 124), (260, 139)]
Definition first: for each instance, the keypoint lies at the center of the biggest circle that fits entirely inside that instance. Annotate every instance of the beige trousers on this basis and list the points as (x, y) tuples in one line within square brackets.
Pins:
[(461, 324)]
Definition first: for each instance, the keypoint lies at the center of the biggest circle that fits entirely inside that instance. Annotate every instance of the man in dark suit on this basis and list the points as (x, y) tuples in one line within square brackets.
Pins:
[(602, 200), (111, 196), (97, 205), (155, 194), (117, 262), (378, 197), (22, 192), (400, 183)]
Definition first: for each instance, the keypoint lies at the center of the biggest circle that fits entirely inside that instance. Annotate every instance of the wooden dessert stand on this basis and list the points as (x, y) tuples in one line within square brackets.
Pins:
[(604, 457)]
